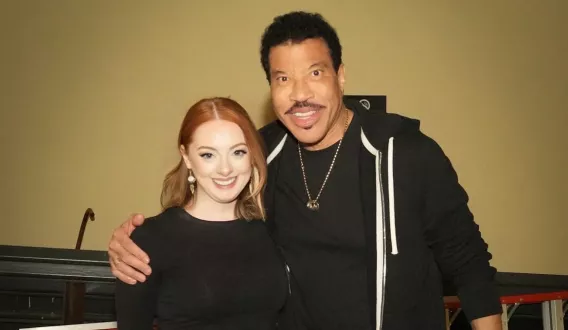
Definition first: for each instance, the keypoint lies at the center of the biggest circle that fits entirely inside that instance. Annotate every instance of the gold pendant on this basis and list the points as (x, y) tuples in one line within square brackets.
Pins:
[(313, 205)]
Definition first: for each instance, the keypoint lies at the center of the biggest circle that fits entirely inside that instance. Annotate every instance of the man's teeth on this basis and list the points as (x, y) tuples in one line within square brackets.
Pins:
[(224, 182), (304, 114)]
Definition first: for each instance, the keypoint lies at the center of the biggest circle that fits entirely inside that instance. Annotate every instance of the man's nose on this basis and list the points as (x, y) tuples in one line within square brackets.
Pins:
[(301, 91)]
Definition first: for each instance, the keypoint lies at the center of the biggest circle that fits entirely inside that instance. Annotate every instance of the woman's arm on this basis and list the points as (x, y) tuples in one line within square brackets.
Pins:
[(136, 304)]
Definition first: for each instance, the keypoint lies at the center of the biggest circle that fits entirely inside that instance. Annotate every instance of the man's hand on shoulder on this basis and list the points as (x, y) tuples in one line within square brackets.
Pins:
[(128, 262)]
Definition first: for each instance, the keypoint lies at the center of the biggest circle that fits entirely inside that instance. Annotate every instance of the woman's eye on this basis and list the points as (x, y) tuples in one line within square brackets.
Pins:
[(240, 152), (206, 155)]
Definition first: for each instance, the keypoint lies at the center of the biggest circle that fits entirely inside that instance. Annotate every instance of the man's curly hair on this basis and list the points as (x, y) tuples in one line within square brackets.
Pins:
[(296, 27)]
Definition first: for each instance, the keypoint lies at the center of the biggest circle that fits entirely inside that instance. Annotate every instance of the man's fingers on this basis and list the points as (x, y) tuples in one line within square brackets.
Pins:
[(137, 220), (131, 266), (122, 245), (114, 260), (133, 250), (121, 276), (115, 248), (121, 268), (124, 261), (127, 260)]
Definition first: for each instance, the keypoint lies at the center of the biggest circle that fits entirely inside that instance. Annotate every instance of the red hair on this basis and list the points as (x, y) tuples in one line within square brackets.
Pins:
[(175, 190)]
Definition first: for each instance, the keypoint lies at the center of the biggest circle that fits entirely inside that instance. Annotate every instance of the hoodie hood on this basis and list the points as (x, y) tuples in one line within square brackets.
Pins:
[(379, 126)]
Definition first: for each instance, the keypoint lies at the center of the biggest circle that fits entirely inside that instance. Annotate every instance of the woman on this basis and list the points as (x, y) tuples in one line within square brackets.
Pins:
[(213, 263)]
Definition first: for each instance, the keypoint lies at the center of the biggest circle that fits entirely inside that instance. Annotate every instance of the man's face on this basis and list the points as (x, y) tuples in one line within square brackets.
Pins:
[(306, 91)]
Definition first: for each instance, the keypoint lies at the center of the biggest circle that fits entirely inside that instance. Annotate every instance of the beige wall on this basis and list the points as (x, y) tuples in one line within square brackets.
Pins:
[(93, 93)]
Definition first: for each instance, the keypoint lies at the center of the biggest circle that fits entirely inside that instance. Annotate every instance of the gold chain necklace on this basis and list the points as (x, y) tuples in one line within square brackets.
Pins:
[(313, 204)]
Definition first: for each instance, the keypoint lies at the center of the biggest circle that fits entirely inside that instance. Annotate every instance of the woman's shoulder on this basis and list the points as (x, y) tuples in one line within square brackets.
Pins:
[(157, 236), (158, 227), (167, 216)]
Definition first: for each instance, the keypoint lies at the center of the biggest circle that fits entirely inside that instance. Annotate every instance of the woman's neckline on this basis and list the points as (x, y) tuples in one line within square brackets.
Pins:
[(188, 214)]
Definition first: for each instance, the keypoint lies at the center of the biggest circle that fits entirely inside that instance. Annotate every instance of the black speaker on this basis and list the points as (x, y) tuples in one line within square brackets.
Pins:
[(373, 103)]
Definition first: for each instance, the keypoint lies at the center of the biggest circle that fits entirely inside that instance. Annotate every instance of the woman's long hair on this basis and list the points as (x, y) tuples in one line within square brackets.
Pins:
[(175, 190)]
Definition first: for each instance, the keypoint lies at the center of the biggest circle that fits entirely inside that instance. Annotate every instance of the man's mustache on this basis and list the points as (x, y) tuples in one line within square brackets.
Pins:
[(304, 104)]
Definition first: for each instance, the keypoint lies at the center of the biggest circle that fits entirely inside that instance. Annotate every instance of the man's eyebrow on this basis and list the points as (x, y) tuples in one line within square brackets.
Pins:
[(275, 72), (321, 64)]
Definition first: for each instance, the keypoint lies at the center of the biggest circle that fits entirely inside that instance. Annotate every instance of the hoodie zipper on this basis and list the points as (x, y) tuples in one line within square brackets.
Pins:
[(384, 265), (288, 278)]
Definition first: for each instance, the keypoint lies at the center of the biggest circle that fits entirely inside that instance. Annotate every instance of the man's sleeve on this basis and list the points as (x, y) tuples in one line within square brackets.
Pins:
[(454, 237)]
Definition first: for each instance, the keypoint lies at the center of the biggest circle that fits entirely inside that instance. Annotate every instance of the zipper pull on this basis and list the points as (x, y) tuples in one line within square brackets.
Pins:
[(288, 277)]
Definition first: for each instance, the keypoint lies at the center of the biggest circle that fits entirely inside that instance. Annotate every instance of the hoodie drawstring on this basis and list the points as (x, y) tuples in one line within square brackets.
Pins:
[(392, 222)]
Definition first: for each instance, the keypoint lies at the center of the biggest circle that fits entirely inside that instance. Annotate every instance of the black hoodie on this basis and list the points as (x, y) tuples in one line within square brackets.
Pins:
[(419, 229)]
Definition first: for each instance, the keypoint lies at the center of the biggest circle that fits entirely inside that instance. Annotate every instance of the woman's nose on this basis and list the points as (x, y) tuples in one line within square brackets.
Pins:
[(225, 168)]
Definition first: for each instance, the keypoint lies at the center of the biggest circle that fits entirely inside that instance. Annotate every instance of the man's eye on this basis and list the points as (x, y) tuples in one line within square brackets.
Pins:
[(316, 72), (282, 79)]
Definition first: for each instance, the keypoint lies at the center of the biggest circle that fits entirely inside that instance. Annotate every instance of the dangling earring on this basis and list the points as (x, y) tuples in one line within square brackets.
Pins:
[(191, 180)]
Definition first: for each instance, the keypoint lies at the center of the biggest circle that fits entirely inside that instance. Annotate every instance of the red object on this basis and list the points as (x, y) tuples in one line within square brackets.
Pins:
[(453, 302)]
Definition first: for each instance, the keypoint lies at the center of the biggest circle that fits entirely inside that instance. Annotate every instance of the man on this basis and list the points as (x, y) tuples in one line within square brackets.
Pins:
[(366, 209)]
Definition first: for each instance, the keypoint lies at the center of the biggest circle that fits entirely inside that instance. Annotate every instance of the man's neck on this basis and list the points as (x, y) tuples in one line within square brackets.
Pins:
[(336, 132)]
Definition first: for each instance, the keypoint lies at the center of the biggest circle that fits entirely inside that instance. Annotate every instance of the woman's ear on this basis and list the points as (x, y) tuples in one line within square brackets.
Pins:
[(184, 155)]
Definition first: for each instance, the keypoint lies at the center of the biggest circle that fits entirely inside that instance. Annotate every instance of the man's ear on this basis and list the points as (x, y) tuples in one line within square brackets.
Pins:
[(341, 77)]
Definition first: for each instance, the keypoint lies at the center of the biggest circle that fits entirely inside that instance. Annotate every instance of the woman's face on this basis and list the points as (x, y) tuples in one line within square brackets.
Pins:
[(220, 161)]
